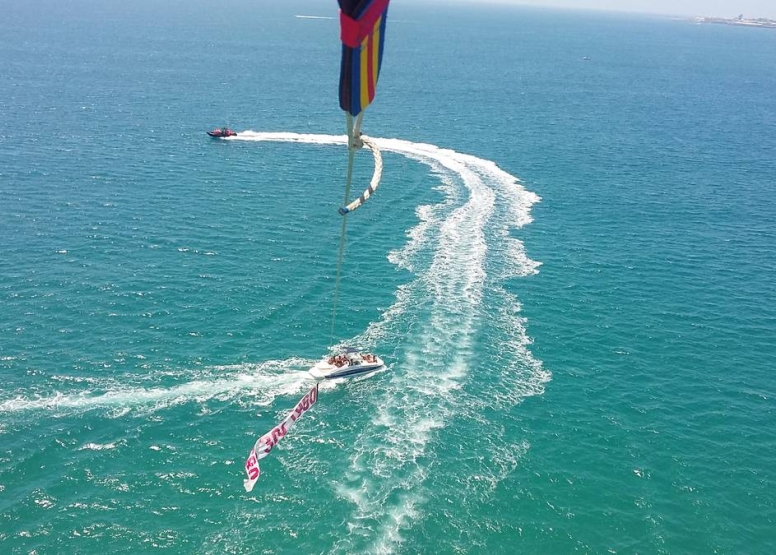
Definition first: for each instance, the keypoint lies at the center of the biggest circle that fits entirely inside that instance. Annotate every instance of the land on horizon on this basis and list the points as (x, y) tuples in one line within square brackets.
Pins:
[(740, 20)]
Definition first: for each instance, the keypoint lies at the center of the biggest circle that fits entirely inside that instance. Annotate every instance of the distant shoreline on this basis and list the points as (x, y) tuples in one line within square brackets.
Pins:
[(740, 21)]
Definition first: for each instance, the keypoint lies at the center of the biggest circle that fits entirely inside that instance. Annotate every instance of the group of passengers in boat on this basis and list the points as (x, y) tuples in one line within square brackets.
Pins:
[(339, 360)]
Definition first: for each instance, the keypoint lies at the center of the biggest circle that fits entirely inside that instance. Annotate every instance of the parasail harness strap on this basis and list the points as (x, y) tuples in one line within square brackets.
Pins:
[(378, 174)]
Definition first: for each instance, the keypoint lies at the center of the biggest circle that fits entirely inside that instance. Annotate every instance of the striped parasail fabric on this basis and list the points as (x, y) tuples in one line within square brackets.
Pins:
[(362, 25)]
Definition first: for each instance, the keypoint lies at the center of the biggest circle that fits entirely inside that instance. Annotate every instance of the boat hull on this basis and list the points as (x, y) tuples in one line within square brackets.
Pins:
[(221, 133), (325, 371)]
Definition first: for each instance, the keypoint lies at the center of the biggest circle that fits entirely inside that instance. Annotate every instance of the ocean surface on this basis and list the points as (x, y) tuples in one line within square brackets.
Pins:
[(569, 269)]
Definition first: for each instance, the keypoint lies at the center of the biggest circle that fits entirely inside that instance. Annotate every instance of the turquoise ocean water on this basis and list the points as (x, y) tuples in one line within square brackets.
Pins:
[(569, 270)]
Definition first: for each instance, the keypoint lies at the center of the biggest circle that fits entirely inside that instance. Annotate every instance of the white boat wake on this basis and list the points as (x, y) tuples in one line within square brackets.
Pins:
[(457, 306), (261, 382), (461, 248)]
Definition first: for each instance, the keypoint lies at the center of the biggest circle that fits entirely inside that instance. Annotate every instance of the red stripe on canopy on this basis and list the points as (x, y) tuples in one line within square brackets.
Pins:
[(354, 31)]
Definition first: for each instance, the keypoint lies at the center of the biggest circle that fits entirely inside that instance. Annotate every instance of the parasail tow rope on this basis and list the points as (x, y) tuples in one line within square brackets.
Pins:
[(354, 130), (355, 141)]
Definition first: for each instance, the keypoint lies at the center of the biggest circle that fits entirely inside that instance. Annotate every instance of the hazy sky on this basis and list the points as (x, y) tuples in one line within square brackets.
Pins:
[(715, 8)]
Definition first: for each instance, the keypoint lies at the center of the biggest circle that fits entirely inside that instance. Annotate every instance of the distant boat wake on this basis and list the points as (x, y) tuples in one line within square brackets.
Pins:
[(313, 17)]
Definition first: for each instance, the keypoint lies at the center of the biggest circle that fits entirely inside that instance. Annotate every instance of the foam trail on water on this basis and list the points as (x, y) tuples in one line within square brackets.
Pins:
[(263, 381), (460, 248), (432, 325)]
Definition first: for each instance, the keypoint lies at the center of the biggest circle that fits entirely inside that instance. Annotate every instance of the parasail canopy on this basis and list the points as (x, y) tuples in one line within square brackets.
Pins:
[(362, 30)]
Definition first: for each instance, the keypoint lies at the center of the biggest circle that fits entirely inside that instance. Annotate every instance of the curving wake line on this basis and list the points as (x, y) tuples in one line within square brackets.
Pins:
[(457, 306), (438, 325)]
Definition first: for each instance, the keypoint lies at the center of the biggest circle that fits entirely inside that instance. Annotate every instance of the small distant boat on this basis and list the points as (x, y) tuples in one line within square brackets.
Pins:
[(222, 132), (347, 364)]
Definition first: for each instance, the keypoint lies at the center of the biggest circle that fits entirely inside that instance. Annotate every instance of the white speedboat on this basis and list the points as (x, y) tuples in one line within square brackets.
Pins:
[(347, 364)]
